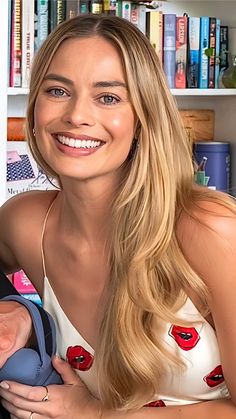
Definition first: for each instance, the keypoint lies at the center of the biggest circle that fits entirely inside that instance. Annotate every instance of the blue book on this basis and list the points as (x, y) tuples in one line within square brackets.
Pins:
[(169, 55), (42, 9), (217, 61), (193, 52), (203, 58)]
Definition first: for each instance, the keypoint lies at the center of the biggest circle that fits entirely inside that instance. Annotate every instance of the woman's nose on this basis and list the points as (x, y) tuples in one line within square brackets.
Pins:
[(79, 111)]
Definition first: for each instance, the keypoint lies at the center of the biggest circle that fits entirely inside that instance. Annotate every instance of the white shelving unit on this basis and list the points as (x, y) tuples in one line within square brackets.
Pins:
[(13, 101)]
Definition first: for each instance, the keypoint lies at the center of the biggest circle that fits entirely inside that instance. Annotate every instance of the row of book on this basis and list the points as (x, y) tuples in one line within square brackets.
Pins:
[(193, 50)]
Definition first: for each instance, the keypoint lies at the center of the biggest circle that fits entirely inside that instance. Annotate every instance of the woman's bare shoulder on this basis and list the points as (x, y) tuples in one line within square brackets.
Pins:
[(21, 220), (27, 204)]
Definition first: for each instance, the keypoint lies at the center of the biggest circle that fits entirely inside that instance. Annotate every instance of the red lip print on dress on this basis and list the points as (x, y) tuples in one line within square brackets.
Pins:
[(215, 377), (79, 358), (157, 403), (186, 337)]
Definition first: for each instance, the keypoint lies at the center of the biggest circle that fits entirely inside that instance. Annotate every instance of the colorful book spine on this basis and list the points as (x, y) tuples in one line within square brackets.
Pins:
[(109, 7), (119, 8), (15, 57), (193, 52), (84, 7), (61, 11), (138, 16), (126, 9), (217, 58), (212, 59), (97, 6), (42, 8), (169, 42), (204, 59), (154, 29), (181, 52), (224, 47)]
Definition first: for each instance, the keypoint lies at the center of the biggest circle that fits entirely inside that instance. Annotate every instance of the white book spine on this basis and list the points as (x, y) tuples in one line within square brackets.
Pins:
[(27, 40)]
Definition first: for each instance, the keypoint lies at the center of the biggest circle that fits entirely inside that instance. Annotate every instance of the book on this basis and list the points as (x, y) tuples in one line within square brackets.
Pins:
[(42, 8), (52, 15), (109, 7), (181, 52), (224, 47), (203, 58), (23, 173), (15, 129), (169, 47), (154, 31), (15, 45), (193, 52), (138, 16), (61, 11), (212, 45), (27, 40), (126, 9), (217, 57), (72, 8)]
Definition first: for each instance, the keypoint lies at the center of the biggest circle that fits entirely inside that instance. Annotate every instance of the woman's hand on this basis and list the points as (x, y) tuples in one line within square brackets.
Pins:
[(15, 328), (69, 401)]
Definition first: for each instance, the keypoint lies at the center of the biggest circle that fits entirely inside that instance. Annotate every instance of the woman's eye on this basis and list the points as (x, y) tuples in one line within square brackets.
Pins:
[(109, 99), (57, 92)]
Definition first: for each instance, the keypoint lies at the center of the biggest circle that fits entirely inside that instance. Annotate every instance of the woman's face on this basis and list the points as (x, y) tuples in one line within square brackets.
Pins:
[(84, 120)]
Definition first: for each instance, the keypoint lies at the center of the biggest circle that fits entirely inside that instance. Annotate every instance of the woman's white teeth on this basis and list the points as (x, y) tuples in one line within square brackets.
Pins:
[(71, 142)]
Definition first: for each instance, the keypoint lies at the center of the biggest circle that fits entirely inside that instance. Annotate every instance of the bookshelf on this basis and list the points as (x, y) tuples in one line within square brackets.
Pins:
[(13, 101)]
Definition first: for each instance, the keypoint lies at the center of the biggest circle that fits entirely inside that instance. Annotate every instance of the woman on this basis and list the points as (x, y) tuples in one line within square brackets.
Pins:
[(135, 262)]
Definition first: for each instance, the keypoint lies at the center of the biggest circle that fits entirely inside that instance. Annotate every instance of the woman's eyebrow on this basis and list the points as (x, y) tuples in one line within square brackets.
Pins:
[(97, 84), (110, 83), (57, 77)]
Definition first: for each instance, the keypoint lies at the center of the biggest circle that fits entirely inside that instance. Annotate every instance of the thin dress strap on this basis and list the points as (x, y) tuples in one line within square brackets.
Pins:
[(42, 235)]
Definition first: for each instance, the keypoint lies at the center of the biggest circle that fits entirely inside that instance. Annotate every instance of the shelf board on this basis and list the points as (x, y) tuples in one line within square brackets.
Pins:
[(14, 91), (203, 92)]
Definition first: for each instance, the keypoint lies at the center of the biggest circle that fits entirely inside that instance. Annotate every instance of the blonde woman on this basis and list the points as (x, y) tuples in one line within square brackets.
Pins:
[(135, 263)]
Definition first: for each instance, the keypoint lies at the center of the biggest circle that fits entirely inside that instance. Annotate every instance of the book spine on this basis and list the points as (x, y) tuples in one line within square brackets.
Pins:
[(15, 72), (217, 58), (72, 8), (126, 9), (142, 13), (9, 41), (119, 8), (224, 47), (42, 12), (193, 52), (204, 59), (155, 31), (170, 47), (84, 6), (52, 12), (27, 40), (61, 11), (109, 7), (97, 6), (181, 52), (212, 45)]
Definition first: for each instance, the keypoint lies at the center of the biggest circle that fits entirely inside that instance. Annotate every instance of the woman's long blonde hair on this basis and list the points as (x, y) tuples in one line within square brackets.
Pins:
[(149, 273)]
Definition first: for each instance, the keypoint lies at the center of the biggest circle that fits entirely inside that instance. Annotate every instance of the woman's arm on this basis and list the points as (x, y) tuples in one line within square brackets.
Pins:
[(210, 248), (218, 409)]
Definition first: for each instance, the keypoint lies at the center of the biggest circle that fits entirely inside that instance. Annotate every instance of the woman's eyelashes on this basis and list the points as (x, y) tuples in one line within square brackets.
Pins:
[(104, 99), (57, 92), (108, 99)]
